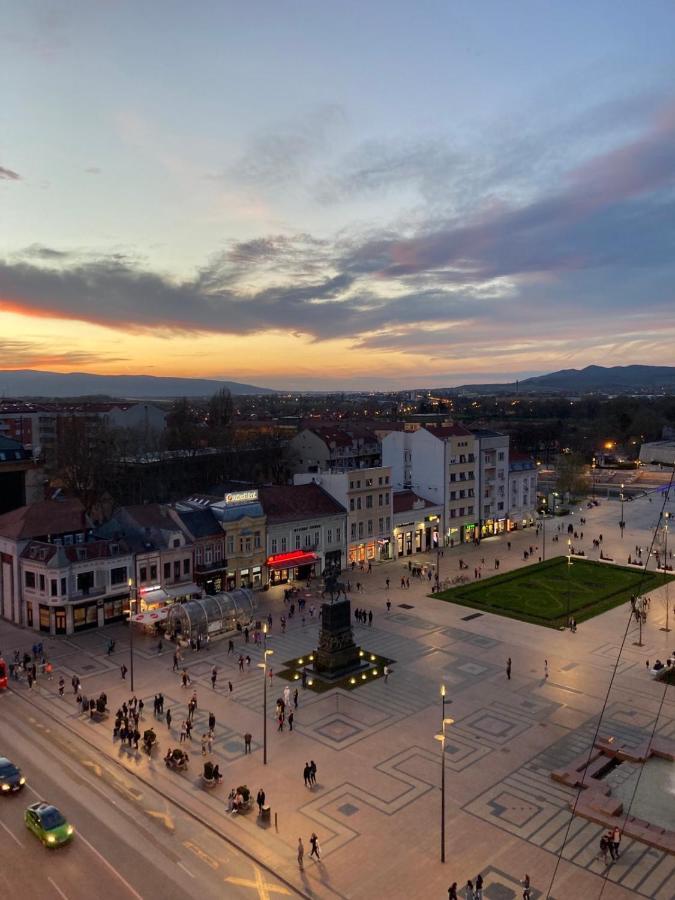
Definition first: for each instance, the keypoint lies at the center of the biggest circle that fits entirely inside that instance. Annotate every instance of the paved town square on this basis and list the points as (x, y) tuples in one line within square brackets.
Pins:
[(376, 803)]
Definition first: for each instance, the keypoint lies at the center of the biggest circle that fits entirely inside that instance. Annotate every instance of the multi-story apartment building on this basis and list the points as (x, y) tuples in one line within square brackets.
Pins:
[(492, 476), (55, 577), (522, 491), (163, 554), (323, 448), (306, 531), (438, 463), (21, 479), (242, 518), (366, 494)]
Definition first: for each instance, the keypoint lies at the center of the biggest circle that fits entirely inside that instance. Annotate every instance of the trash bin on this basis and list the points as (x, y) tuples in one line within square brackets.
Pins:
[(265, 814)]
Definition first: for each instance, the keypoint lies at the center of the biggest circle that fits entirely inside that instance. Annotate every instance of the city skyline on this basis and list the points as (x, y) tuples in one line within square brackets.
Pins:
[(377, 198)]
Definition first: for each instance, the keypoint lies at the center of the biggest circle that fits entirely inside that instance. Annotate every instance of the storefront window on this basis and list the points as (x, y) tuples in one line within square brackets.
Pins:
[(44, 618), (60, 620)]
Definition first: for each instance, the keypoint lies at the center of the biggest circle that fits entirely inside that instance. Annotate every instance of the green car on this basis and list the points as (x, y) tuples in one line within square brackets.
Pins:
[(48, 824)]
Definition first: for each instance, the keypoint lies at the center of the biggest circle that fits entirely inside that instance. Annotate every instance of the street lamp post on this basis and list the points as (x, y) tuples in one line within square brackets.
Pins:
[(665, 568), (593, 466), (569, 577), (441, 737), (263, 666), (622, 524), (132, 590), (543, 529)]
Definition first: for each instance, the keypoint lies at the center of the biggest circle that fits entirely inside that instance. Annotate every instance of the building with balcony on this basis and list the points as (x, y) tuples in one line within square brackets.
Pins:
[(522, 491), (439, 464), (366, 494), (208, 540), (306, 531), (492, 449), (323, 447)]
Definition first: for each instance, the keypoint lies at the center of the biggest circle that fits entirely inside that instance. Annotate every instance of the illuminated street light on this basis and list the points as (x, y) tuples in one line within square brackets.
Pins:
[(263, 666), (441, 737)]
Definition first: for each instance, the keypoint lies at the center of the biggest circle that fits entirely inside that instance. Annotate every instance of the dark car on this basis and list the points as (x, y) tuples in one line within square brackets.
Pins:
[(11, 779)]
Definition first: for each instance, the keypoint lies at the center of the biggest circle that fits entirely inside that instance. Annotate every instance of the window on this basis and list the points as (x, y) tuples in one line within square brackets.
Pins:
[(42, 583), (143, 574), (338, 535), (358, 503), (351, 485), (379, 500), (297, 542), (30, 580), (79, 538), (453, 513), (186, 566), (462, 457), (85, 581), (453, 495), (153, 573), (462, 495), (380, 525), (351, 505), (284, 545), (329, 535), (353, 531), (176, 542), (273, 545), (453, 477), (176, 569), (317, 538), (369, 501), (360, 529), (167, 571), (469, 510), (256, 540), (308, 540), (388, 523), (118, 575), (64, 586), (54, 588), (386, 479), (500, 456), (461, 511), (230, 545), (469, 492), (370, 527), (500, 506), (369, 482)]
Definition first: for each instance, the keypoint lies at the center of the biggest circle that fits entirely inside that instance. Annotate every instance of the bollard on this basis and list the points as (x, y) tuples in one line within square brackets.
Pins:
[(276, 824)]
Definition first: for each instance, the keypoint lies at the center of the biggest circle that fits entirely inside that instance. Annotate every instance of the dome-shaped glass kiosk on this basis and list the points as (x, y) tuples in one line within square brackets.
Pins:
[(213, 614)]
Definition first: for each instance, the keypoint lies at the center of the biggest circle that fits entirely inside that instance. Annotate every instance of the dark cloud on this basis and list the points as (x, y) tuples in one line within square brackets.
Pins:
[(9, 174), (601, 246), (38, 251)]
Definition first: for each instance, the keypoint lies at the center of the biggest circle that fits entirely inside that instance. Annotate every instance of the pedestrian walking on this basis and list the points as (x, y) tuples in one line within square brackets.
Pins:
[(175, 662), (452, 891), (615, 840), (140, 709), (160, 699), (280, 720), (295, 698), (479, 887), (604, 849), (230, 646), (387, 584), (183, 731), (203, 745), (188, 728), (290, 720), (386, 673), (306, 774), (301, 852), (545, 668), (508, 668), (312, 772), (212, 721), (229, 686), (314, 843), (526, 887), (247, 742), (468, 891), (168, 718), (241, 663), (214, 676), (260, 800)]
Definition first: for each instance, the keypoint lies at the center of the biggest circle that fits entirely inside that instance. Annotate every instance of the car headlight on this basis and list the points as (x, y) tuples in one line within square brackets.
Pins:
[(6, 787), (51, 839), (69, 830), (22, 780)]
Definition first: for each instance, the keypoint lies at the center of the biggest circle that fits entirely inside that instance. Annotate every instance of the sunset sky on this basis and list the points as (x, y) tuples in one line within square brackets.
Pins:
[(337, 195)]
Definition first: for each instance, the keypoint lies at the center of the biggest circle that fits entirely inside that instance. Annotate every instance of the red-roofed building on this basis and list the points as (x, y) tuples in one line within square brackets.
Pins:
[(54, 576), (306, 531)]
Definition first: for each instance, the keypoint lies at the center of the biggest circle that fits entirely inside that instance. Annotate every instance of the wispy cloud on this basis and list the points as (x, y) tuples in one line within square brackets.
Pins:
[(9, 174)]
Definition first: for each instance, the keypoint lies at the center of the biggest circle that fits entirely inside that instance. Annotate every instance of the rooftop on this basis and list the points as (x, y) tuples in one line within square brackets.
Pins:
[(47, 517), (293, 502), (406, 501)]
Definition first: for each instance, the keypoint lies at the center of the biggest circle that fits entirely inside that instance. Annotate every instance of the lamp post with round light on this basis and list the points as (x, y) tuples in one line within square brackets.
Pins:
[(133, 600), (441, 737), (622, 524), (263, 666)]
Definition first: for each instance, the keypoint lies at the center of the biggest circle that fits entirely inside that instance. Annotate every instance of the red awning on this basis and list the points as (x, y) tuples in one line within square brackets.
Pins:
[(291, 560)]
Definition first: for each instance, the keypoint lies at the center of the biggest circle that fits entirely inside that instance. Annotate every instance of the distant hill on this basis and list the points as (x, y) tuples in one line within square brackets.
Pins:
[(592, 379), (34, 383)]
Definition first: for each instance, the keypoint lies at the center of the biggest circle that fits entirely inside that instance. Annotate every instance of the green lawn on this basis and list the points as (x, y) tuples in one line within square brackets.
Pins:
[(542, 593)]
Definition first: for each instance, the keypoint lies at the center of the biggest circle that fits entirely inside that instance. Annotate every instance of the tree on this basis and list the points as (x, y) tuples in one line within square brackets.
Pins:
[(184, 430), (87, 460), (219, 415), (572, 475)]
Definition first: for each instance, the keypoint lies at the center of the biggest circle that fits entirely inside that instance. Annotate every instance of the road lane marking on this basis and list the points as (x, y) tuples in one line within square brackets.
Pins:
[(263, 887), (57, 888), (108, 865), (202, 854), (185, 869), (12, 835), (164, 818)]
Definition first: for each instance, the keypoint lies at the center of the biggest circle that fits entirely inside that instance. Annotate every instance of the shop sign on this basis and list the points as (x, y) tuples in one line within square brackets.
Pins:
[(241, 497)]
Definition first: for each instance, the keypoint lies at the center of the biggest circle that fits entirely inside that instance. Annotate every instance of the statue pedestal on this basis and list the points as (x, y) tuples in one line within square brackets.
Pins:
[(337, 654)]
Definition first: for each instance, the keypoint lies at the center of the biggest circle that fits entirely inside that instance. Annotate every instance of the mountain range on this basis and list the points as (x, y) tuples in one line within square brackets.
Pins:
[(35, 383), (592, 379)]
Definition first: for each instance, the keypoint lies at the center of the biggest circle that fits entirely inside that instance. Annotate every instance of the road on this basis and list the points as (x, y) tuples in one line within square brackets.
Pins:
[(130, 842)]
